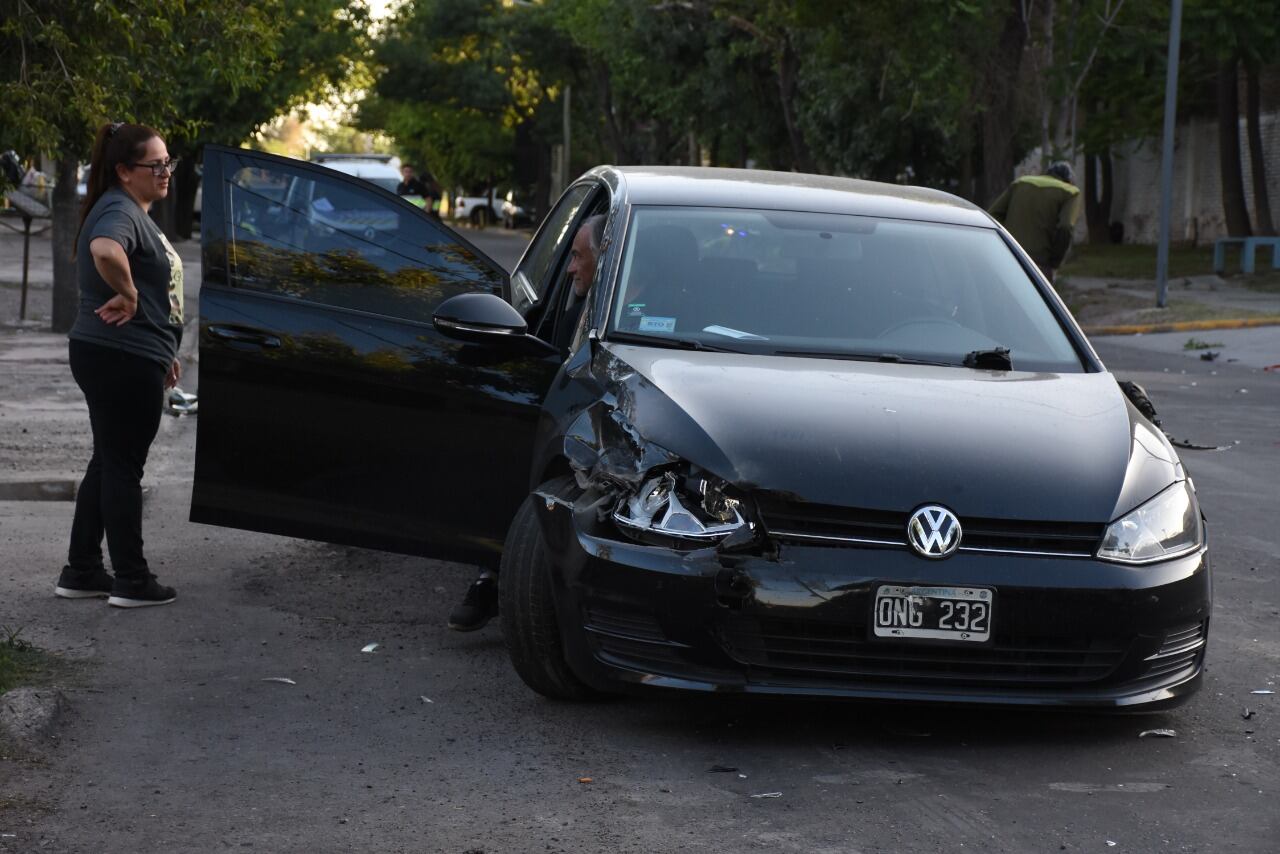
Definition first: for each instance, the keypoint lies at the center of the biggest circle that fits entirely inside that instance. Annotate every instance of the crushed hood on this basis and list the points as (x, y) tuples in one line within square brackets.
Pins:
[(1036, 446)]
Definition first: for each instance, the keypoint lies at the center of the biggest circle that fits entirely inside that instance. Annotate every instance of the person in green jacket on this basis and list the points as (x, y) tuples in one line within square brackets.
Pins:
[(1040, 211)]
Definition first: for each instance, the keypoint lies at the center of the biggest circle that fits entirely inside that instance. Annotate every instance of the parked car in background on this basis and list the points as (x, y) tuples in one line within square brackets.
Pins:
[(377, 169), (519, 209), (480, 209)]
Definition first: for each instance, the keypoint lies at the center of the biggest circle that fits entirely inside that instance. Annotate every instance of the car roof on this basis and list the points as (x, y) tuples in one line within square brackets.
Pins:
[(758, 188)]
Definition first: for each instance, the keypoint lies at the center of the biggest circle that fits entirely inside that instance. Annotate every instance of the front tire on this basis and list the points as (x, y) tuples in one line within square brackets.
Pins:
[(528, 611)]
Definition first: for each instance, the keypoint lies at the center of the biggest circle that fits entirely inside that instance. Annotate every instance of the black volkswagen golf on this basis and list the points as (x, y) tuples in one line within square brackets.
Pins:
[(808, 435)]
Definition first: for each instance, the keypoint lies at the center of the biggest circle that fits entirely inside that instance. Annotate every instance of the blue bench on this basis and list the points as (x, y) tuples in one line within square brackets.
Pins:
[(1248, 248)]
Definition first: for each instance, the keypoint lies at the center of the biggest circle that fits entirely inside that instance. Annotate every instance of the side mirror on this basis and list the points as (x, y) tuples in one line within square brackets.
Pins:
[(488, 319)]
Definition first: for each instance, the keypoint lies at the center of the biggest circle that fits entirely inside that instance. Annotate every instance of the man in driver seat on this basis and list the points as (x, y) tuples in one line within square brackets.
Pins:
[(480, 604)]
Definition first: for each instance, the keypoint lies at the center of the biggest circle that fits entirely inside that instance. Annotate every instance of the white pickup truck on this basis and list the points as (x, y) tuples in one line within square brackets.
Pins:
[(479, 209)]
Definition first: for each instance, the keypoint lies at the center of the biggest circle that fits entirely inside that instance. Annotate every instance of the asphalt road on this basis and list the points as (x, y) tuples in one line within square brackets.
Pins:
[(174, 742)]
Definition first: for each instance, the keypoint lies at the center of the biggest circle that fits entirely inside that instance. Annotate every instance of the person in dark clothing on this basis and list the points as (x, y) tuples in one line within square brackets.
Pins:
[(1040, 211), (480, 604), (123, 352), (411, 185)]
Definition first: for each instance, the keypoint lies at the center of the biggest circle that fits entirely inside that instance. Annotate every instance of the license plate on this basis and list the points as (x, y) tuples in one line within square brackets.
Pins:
[(940, 613)]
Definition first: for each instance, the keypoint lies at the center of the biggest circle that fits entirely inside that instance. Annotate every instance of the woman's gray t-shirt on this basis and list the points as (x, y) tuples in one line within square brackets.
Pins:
[(156, 329)]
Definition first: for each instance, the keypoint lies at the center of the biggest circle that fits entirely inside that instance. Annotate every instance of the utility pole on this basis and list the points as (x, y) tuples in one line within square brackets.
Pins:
[(1166, 153), (568, 90)]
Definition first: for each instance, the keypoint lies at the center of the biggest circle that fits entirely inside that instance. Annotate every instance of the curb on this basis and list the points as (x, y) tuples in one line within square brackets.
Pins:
[(1182, 326), (28, 716)]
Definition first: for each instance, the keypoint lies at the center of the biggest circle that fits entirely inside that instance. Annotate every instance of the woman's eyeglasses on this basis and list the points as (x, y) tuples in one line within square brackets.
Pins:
[(161, 167)]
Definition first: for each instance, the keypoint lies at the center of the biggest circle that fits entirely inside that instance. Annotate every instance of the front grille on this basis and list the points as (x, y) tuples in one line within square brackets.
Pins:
[(840, 651), (822, 523), (1180, 649)]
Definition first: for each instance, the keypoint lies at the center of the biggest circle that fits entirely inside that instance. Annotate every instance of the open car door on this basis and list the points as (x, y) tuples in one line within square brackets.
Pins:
[(330, 407)]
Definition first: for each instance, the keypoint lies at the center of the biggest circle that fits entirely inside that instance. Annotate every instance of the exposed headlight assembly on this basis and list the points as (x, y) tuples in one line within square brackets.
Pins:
[(693, 509), (1165, 527)]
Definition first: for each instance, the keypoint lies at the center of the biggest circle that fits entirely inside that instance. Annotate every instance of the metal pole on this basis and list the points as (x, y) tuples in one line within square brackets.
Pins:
[(568, 91), (1166, 153), (26, 261)]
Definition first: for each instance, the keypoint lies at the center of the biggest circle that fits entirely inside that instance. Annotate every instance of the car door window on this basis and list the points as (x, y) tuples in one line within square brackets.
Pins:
[(325, 238), (535, 274)]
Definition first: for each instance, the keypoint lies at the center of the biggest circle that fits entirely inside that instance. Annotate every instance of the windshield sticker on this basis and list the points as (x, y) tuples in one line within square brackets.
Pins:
[(323, 205), (657, 324), (635, 309), (734, 333)]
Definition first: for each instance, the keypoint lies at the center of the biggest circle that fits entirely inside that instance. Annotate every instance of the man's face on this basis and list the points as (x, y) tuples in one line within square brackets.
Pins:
[(582, 262), (406, 172)]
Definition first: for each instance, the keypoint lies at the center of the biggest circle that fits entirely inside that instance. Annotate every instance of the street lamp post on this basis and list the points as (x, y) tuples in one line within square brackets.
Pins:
[(1166, 153)]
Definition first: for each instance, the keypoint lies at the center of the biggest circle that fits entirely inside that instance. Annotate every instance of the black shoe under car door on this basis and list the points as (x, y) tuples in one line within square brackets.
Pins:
[(330, 408)]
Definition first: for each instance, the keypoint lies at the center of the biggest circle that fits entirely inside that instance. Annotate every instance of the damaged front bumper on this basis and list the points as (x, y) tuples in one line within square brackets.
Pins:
[(795, 619)]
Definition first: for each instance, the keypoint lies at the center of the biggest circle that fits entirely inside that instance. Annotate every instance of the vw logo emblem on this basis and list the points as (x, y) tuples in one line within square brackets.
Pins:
[(934, 531)]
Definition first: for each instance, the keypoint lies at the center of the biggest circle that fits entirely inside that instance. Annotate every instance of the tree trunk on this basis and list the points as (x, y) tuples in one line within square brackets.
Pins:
[(185, 182), (1233, 206), (1257, 157), (622, 153), (1107, 192), (542, 186), (999, 119), (1097, 205), (66, 224), (787, 70)]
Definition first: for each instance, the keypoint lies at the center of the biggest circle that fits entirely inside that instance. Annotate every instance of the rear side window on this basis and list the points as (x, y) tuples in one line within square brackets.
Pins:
[(299, 232)]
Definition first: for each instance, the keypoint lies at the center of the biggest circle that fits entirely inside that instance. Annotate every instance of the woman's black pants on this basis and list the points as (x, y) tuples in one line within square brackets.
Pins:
[(125, 394)]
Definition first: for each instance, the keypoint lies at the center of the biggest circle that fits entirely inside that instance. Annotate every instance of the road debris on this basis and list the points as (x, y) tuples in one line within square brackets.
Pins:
[(1194, 446), (768, 795), (1159, 733), (1110, 844), (369, 647), (722, 769), (1263, 691), (586, 779), (1248, 713), (1209, 355), (426, 699), (283, 680), (1197, 344)]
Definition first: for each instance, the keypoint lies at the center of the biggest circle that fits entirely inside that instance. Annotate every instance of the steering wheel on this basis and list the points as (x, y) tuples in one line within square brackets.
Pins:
[(932, 320)]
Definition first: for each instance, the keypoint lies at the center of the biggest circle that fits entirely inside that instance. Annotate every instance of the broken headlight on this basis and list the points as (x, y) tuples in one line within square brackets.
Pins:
[(692, 509), (1166, 526)]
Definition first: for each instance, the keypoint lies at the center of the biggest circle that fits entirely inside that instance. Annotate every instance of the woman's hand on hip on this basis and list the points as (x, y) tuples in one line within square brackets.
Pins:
[(174, 374), (118, 310)]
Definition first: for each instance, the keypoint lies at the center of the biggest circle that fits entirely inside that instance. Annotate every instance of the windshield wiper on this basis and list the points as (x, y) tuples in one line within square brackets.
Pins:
[(893, 358), (995, 359), (668, 342)]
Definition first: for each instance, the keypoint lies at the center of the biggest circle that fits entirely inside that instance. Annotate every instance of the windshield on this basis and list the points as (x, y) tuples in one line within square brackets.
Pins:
[(832, 285)]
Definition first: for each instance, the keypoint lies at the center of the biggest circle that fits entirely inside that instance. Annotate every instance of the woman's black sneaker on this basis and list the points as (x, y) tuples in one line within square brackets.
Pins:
[(78, 584), (478, 607), (140, 595)]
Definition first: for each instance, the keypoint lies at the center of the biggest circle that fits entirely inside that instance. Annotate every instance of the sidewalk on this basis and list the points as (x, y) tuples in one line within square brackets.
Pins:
[(1128, 306)]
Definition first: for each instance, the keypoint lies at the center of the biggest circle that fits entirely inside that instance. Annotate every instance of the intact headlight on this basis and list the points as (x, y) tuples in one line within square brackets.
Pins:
[(1166, 526), (689, 508)]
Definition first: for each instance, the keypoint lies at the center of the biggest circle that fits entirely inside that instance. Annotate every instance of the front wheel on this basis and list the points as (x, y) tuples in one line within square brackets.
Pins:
[(528, 609)]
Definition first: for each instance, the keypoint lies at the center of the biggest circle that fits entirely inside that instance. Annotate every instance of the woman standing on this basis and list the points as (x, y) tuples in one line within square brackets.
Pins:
[(123, 353)]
